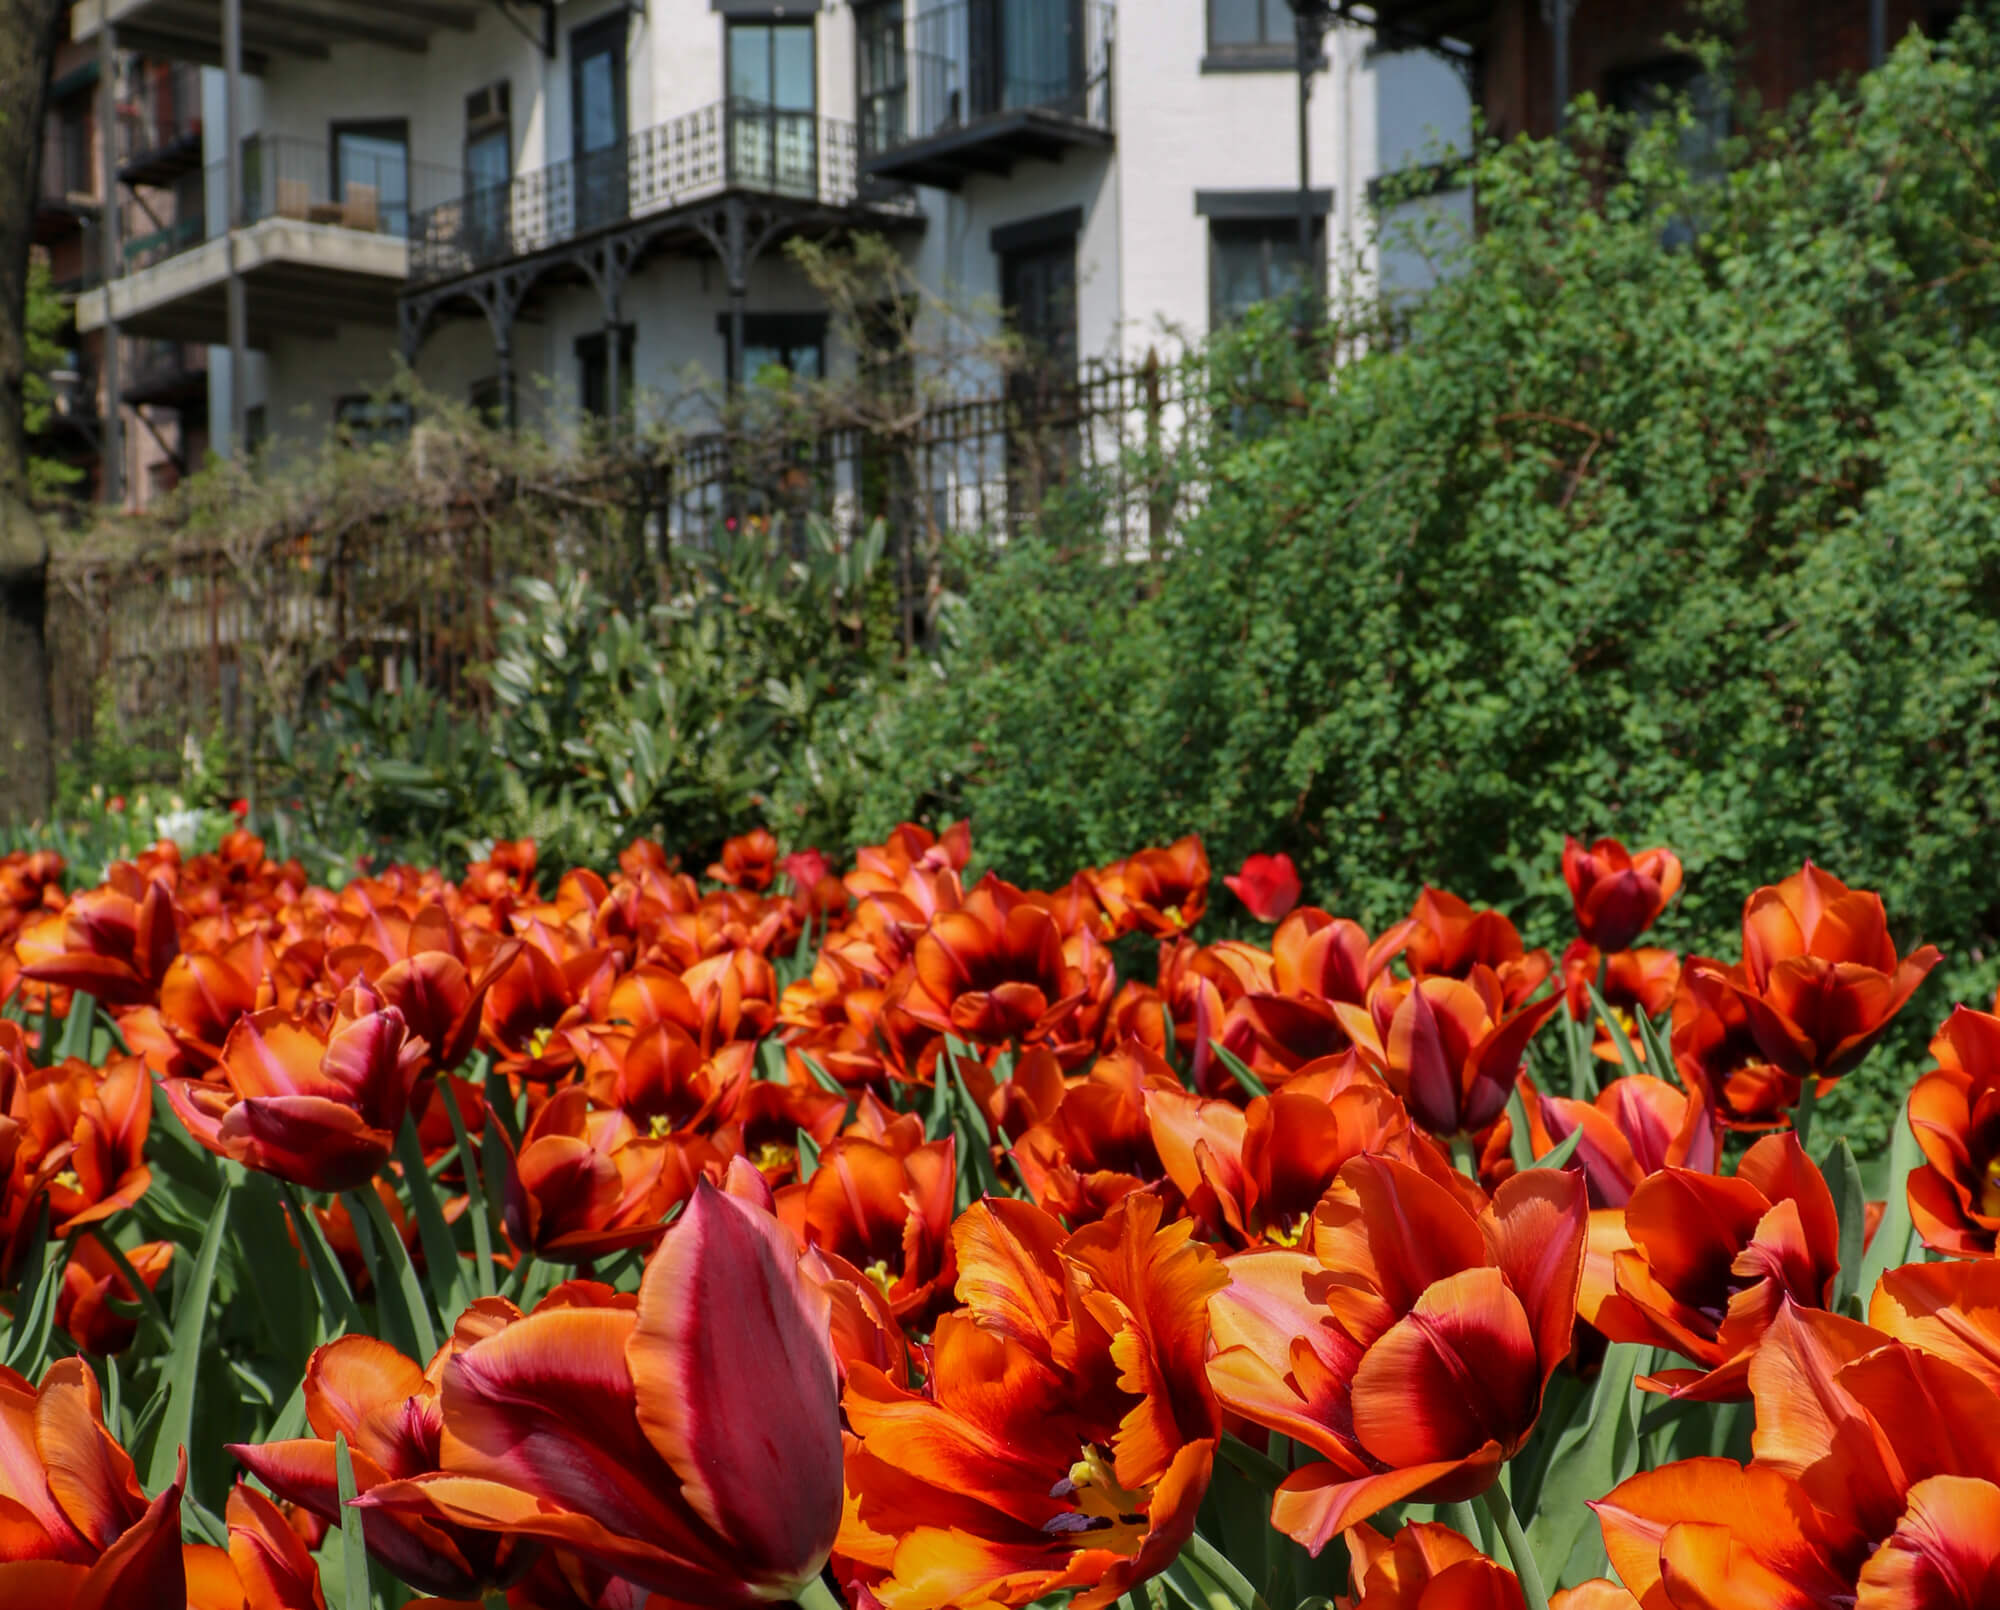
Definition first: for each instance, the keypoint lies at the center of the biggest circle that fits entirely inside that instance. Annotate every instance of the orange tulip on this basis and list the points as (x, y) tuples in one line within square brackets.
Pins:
[(1631, 982), (749, 861), (1636, 1127), (1954, 1112), (1875, 1483), (1317, 964), (387, 1407), (1449, 939), (265, 1567), (885, 1207), (1452, 1048), (1716, 1054), (1252, 1176), (92, 1282), (1426, 1567), (1410, 1347), (1618, 895), (1702, 1263), (1950, 1309), (1098, 1144), (1819, 980), (586, 1183), (690, 1445), (114, 943), (320, 1113), (102, 1119), (79, 1533), (1065, 1436), (1163, 893), (992, 971)]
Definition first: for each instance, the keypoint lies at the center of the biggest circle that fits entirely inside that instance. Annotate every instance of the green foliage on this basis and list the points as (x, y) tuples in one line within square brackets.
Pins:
[(46, 317), (1691, 544), (732, 702)]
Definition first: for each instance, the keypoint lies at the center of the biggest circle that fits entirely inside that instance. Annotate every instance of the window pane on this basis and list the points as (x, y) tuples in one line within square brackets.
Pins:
[(487, 160), (1236, 22), (1278, 26), (1255, 262), (793, 87), (750, 60), (381, 163), (597, 117), (1035, 45)]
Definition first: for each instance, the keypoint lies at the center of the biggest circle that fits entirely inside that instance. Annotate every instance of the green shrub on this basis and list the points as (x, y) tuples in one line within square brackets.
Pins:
[(1692, 545)]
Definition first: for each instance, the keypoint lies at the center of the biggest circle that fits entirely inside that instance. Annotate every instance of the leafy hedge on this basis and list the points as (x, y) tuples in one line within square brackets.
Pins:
[(1696, 544)]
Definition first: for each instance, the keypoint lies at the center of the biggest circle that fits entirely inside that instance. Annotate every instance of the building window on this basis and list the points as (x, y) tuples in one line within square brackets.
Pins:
[(593, 378), (1654, 90), (597, 128), (1251, 33), (489, 168), (881, 73), (1253, 260), (773, 100), (372, 421), (371, 176), (793, 342)]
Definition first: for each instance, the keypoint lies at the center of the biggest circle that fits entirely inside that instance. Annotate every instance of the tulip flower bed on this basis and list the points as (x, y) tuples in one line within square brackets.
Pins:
[(885, 1237)]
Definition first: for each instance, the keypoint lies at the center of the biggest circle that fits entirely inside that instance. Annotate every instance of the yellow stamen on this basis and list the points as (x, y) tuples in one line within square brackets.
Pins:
[(68, 1181), (1289, 1232), (773, 1158), (1989, 1189), (1116, 1515), (658, 1125), (538, 1042), (878, 1271)]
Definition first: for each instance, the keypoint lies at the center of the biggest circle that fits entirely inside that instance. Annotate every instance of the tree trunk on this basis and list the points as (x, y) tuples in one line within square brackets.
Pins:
[(28, 33)]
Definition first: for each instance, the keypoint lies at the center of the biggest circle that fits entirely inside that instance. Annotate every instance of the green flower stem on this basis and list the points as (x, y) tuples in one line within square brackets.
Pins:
[(1463, 1157), (816, 1595), (1463, 1519), (1802, 1114), (1519, 1555)]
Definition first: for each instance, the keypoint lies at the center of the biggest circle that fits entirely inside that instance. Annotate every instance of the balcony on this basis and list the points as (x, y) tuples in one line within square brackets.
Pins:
[(159, 125), (732, 146), (165, 374), (991, 83), (191, 30), (67, 193), (324, 243)]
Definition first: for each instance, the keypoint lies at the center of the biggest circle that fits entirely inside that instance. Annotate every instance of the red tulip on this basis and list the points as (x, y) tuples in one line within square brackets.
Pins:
[(885, 1207), (1158, 892), (1268, 886), (1447, 938), (748, 861), (1618, 895), (691, 1446), (265, 1567), (1409, 1349), (1636, 1127)]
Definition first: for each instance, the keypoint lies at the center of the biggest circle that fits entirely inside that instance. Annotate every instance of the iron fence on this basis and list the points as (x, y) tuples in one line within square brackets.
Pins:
[(731, 145), (189, 628)]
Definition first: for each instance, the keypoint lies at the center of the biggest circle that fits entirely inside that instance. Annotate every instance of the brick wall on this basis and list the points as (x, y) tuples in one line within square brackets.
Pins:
[(1790, 44)]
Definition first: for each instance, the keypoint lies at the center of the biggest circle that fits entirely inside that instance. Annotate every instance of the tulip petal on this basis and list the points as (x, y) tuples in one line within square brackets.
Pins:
[(736, 1384), (1944, 1553)]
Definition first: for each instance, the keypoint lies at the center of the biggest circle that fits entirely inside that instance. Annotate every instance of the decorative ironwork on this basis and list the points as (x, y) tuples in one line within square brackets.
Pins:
[(978, 59), (731, 146)]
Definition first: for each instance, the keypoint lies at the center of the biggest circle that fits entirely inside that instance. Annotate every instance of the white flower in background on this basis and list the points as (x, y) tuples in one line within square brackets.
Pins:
[(182, 826)]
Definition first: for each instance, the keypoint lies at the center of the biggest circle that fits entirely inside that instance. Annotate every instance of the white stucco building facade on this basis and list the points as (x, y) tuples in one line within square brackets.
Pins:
[(488, 188)]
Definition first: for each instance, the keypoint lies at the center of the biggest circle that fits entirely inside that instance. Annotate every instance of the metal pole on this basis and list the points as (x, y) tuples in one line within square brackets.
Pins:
[(1878, 32), (239, 312), (1311, 19), (111, 452), (1562, 62)]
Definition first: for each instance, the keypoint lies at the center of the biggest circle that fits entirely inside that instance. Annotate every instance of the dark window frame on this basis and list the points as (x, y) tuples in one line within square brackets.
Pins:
[(1266, 55), (585, 40), (773, 20), (888, 18), (592, 350), (378, 128), (398, 418), (1268, 229), (787, 332)]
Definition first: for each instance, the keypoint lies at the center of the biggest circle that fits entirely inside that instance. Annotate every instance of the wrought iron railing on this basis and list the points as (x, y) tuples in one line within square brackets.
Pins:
[(375, 193), (971, 60), (731, 145)]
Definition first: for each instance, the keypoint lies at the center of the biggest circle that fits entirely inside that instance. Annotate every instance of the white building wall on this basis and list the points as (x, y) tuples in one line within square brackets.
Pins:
[(1142, 255)]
